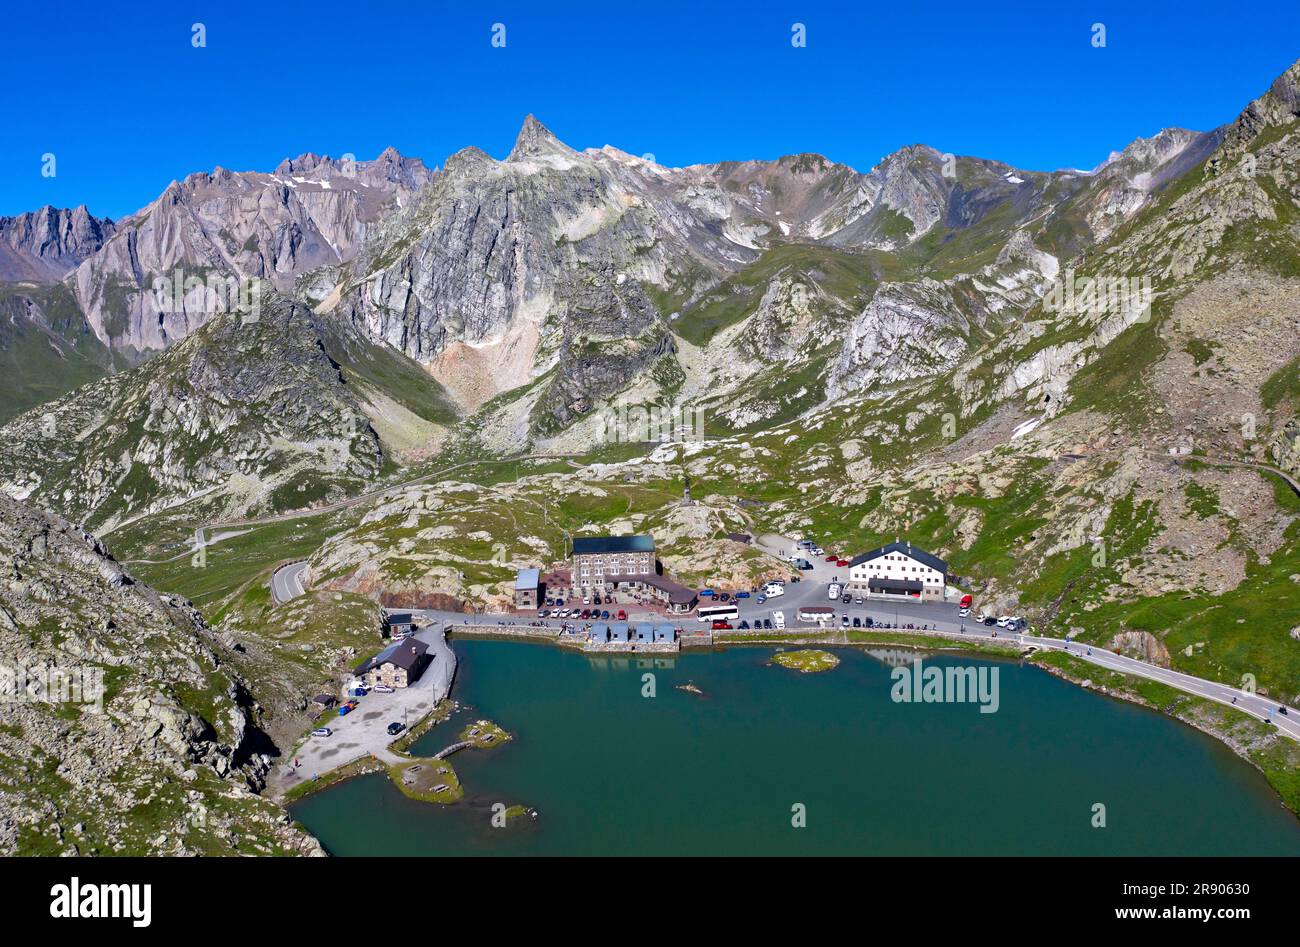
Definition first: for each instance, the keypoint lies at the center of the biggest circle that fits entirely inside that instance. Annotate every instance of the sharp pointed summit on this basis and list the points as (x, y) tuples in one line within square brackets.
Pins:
[(535, 140)]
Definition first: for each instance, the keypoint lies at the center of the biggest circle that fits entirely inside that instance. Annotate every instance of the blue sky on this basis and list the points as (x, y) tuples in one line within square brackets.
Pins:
[(127, 104)]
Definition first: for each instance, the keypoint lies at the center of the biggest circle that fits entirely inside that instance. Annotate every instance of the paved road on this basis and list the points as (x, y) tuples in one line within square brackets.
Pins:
[(286, 582), (364, 732)]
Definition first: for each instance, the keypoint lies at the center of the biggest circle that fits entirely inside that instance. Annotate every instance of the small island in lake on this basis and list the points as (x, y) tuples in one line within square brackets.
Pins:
[(807, 661), (484, 733)]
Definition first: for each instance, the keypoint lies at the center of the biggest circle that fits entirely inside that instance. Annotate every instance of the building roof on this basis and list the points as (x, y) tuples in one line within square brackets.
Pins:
[(895, 585), (739, 537), (527, 579), (678, 594), (399, 618), (907, 549), (403, 654), (323, 699), (594, 545)]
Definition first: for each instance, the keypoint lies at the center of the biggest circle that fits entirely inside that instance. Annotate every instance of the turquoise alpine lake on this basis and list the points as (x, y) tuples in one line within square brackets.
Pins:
[(775, 762)]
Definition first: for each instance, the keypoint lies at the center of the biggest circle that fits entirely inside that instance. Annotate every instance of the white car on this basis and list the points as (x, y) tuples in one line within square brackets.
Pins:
[(963, 613), (1008, 621), (321, 732), (384, 689)]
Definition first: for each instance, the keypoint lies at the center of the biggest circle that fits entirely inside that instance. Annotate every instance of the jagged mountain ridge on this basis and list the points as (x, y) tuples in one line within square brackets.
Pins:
[(311, 211), (43, 246)]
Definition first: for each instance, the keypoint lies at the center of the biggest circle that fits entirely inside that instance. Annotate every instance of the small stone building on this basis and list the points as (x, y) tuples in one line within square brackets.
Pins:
[(398, 665), (527, 588)]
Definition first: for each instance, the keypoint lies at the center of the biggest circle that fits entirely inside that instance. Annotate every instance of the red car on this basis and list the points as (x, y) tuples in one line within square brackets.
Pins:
[(842, 563), (622, 615), (720, 625), (831, 558)]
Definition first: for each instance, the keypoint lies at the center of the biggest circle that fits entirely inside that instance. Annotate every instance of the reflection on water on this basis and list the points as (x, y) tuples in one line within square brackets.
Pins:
[(616, 767)]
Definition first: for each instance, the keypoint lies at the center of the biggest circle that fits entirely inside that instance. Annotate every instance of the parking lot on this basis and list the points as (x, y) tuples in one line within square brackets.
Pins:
[(364, 731)]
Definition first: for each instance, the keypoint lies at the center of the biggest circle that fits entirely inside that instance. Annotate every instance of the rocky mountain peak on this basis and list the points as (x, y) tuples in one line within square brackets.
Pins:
[(536, 141), (1156, 150)]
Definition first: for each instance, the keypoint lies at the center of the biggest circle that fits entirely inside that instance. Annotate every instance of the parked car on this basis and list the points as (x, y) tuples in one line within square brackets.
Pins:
[(384, 689), (720, 625), (742, 595), (858, 600), (990, 620), (743, 624), (543, 613), (622, 615), (761, 598), (841, 562), (604, 614), (833, 591), (706, 593), (345, 709), (844, 621), (868, 622), (846, 599), (857, 622), (322, 732), (966, 601), (832, 558), (767, 623), (963, 613), (725, 596), (395, 728)]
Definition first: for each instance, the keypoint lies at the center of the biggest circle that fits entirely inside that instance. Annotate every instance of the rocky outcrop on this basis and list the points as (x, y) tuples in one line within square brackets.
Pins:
[(122, 731)]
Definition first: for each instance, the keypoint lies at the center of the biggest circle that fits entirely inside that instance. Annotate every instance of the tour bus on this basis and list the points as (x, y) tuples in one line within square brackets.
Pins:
[(711, 613), (816, 613)]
